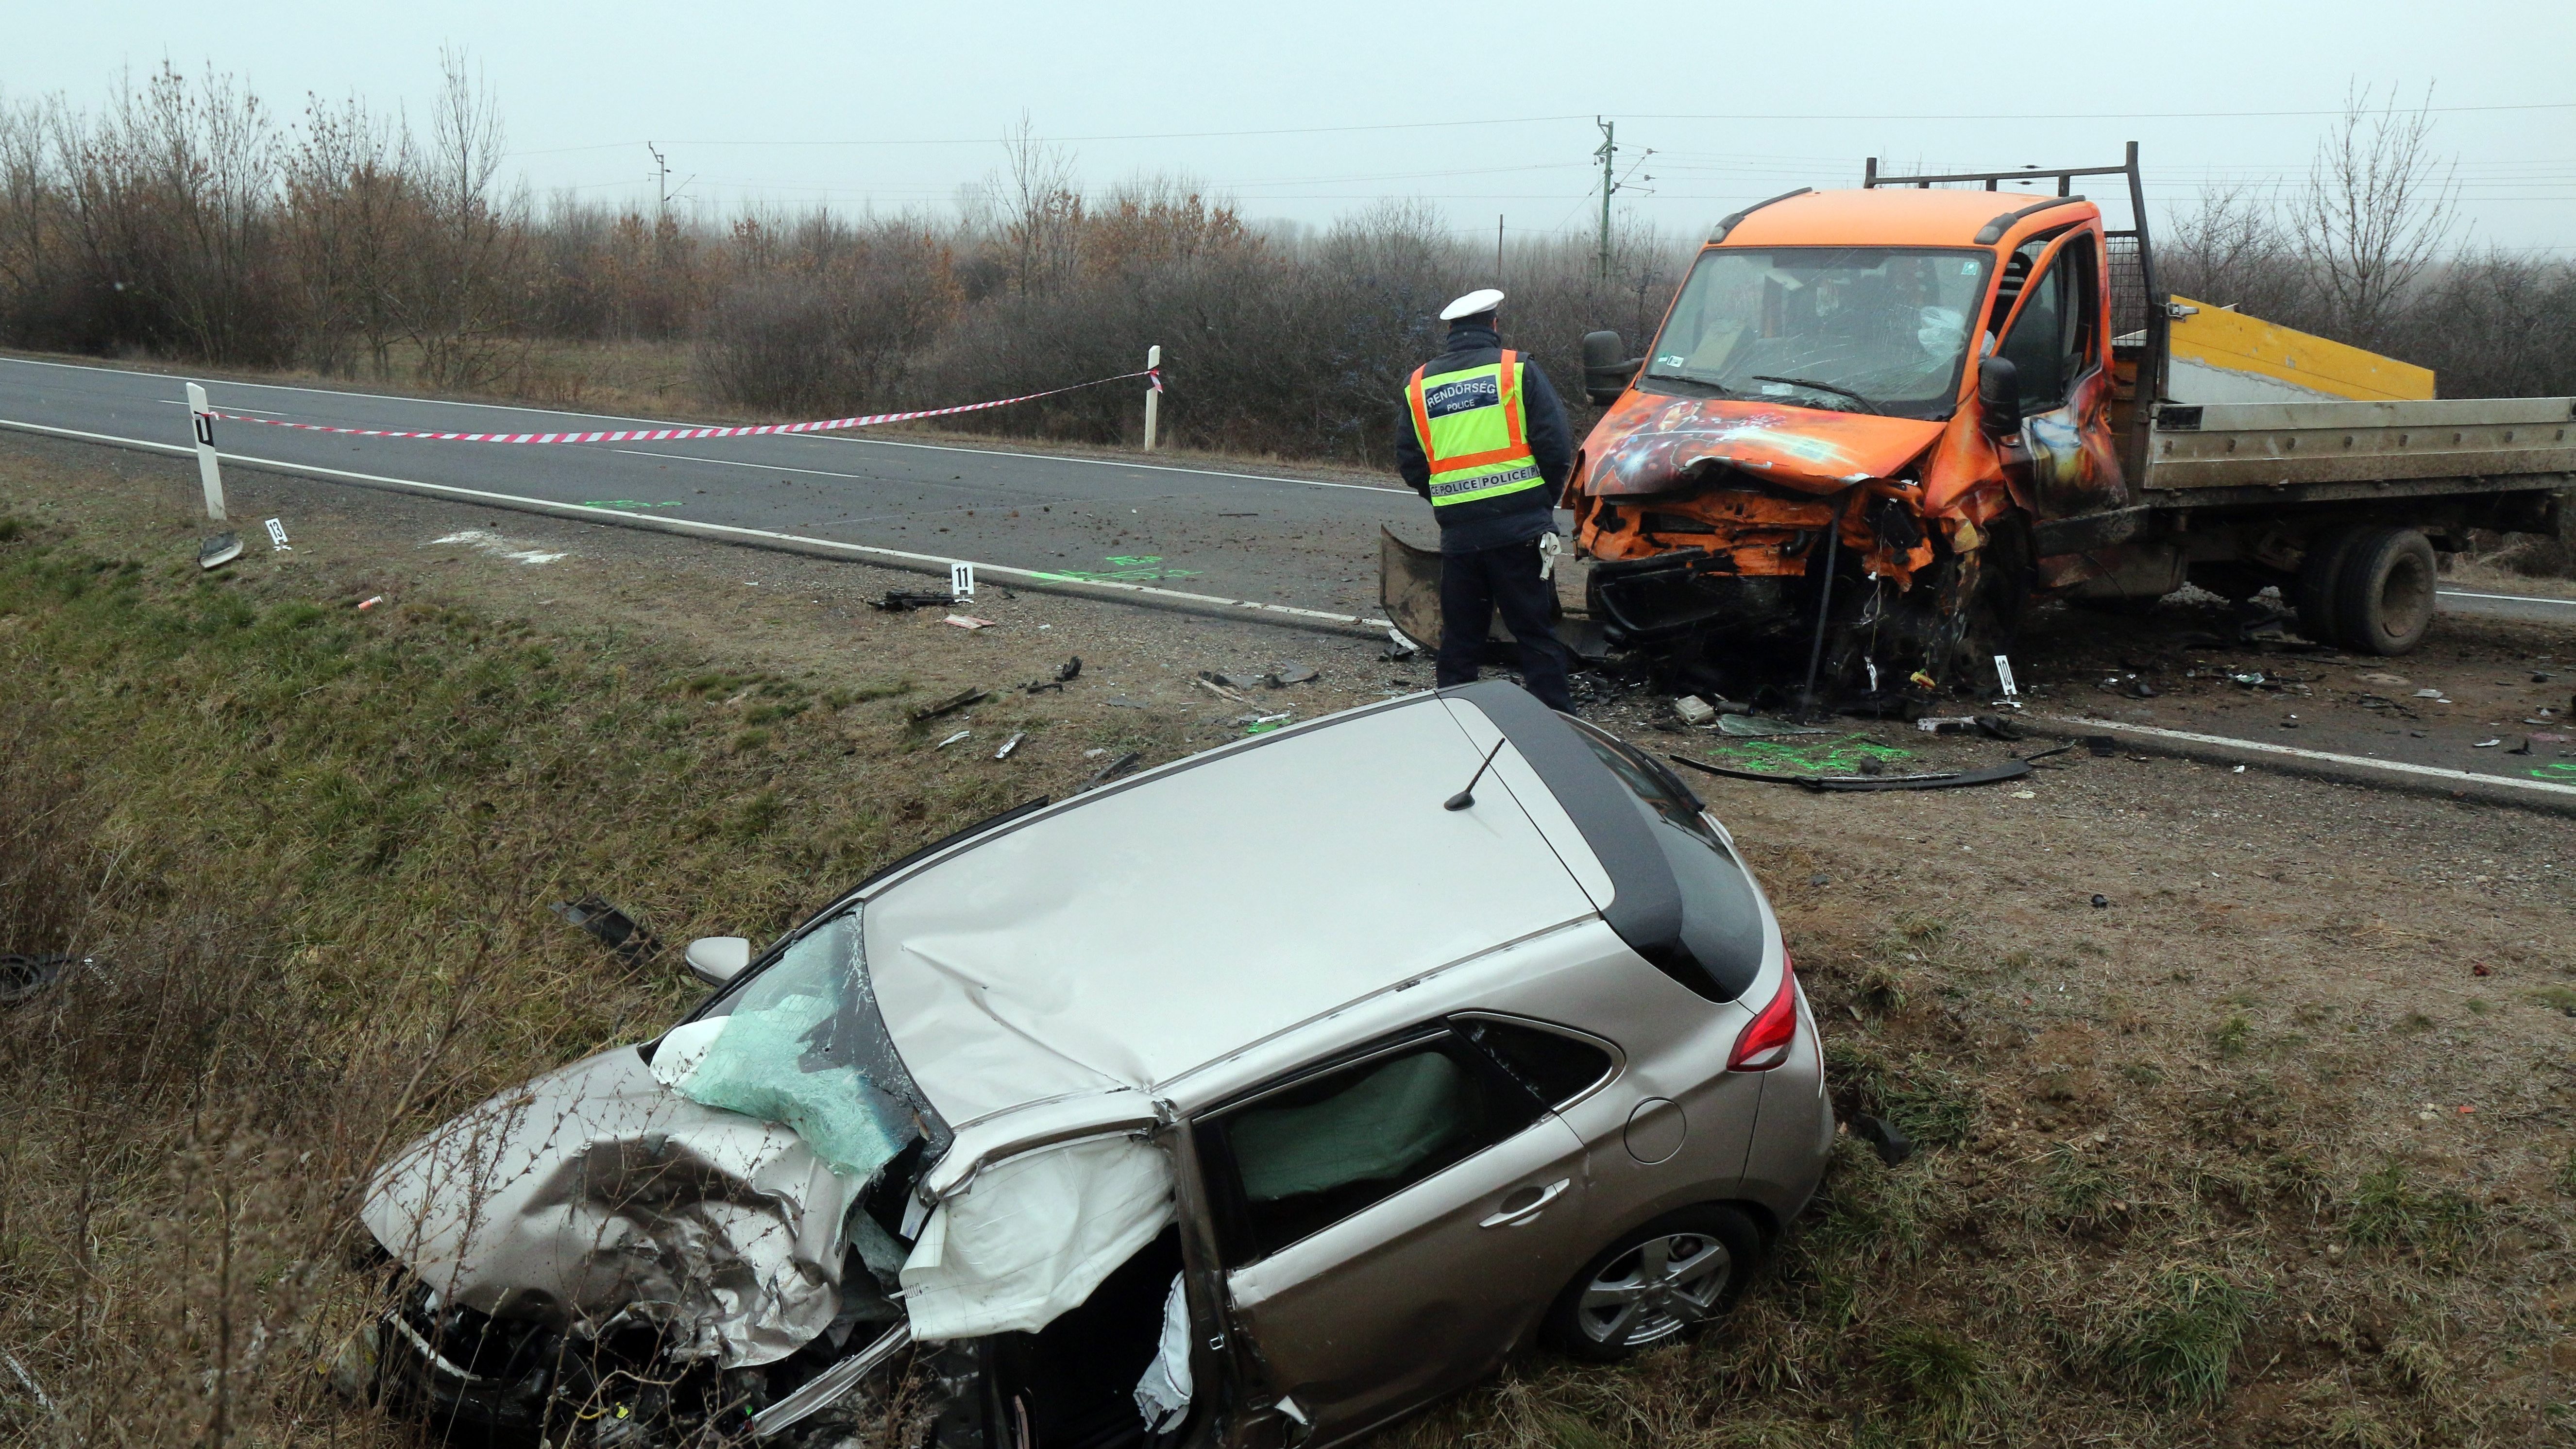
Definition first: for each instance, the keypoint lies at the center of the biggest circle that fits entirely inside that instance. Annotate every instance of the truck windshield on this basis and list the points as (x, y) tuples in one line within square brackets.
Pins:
[(1853, 329)]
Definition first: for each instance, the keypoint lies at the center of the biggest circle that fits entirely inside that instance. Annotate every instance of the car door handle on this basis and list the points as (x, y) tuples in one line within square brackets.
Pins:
[(1513, 1217)]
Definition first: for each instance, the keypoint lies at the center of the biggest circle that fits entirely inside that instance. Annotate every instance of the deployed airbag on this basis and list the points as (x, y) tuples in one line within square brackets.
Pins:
[(1386, 1123), (1033, 1235)]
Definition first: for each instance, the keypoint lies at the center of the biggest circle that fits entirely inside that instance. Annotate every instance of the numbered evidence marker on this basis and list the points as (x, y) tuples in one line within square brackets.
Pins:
[(277, 537), (961, 580), (2003, 671)]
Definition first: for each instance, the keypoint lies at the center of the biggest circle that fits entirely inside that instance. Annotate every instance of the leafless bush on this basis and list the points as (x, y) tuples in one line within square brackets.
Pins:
[(823, 315)]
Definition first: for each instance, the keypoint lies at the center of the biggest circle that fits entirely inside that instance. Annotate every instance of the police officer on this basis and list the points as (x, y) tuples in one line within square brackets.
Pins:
[(1485, 440)]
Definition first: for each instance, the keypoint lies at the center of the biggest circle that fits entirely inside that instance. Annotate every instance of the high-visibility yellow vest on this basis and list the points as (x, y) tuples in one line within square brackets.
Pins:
[(1469, 425)]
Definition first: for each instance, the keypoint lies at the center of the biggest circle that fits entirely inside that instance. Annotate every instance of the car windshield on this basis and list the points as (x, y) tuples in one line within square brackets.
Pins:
[(800, 1041), (1853, 329)]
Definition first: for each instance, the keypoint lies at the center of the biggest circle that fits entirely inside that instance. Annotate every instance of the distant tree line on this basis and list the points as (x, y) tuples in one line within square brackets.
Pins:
[(184, 221)]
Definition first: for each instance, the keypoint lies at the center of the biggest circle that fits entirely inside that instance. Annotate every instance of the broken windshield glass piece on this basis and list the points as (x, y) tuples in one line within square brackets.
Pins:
[(1163, 1394), (801, 1044), (1033, 1236)]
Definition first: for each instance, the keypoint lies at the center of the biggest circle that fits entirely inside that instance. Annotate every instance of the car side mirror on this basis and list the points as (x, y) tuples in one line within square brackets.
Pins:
[(716, 960), (1998, 397), (1607, 367)]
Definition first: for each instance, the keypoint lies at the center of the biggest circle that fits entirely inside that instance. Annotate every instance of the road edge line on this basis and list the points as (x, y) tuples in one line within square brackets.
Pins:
[(1142, 595)]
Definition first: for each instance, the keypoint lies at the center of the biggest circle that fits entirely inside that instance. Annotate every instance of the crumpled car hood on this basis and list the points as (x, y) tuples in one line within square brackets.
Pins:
[(593, 1192), (1646, 443)]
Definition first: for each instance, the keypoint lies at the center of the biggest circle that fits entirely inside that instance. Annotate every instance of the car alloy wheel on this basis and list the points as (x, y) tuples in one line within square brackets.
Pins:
[(1654, 1290)]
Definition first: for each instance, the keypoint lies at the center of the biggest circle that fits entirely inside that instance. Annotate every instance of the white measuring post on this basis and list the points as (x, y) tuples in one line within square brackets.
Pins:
[(1153, 391), (201, 420)]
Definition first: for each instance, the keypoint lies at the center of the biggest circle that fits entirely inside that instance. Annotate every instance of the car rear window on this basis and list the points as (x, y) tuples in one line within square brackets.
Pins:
[(1720, 948)]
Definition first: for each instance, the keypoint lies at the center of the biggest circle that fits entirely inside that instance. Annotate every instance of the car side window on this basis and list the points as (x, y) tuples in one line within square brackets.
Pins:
[(1295, 1160), (2036, 346), (1556, 1068)]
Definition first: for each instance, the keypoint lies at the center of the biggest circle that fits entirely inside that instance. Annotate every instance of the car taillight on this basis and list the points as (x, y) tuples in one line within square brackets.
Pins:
[(1773, 1030)]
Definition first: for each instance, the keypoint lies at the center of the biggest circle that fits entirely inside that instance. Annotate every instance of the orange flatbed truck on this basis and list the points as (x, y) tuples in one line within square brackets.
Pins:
[(1877, 424)]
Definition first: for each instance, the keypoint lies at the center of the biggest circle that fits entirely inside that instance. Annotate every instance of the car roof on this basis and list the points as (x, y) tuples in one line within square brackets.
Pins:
[(1122, 938), (1890, 216)]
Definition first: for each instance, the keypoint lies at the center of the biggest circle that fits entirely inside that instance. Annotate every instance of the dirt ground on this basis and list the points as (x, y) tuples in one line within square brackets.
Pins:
[(2261, 1008)]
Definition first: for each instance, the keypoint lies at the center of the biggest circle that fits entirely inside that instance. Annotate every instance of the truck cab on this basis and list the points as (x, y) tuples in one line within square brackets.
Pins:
[(1876, 424)]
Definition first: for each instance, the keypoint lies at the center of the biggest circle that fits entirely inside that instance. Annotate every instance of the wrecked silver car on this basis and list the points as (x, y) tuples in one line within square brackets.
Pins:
[(1261, 1098)]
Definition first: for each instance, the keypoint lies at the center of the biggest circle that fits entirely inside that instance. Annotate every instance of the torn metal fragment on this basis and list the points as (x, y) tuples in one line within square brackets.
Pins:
[(950, 705), (1112, 771), (613, 928)]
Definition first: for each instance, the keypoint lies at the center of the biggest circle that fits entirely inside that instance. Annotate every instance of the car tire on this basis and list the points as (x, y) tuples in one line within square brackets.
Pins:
[(2384, 591), (1655, 1284), (2319, 614)]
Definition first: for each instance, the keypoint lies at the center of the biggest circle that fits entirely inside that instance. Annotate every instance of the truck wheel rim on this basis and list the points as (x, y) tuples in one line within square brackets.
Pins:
[(2405, 597), (1655, 1290)]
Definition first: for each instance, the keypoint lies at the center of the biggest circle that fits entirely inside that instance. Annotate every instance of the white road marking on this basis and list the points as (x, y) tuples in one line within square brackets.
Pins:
[(2435, 772), (738, 463), (729, 533)]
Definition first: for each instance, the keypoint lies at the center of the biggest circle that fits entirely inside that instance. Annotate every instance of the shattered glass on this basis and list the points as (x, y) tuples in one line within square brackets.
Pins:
[(801, 1044)]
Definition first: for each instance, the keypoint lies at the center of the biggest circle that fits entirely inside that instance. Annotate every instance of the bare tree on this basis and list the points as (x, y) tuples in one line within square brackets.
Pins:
[(1043, 209), (2378, 209), (347, 201), (468, 247)]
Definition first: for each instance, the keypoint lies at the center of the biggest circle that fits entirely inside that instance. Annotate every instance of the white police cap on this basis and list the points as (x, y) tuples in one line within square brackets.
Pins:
[(1483, 300)]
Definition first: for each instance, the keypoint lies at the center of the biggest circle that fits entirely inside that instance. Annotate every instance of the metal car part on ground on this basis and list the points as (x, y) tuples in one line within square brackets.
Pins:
[(1030, 1093)]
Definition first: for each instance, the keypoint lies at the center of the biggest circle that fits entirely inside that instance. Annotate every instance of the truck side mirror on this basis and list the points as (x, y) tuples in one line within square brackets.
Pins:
[(716, 960), (1998, 397), (1607, 367)]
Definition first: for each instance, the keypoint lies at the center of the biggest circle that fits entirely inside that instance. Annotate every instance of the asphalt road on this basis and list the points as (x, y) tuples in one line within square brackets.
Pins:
[(1308, 543)]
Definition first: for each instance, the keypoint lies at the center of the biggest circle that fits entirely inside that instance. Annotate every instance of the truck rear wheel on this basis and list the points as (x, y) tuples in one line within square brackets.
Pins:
[(2384, 591), (2319, 614)]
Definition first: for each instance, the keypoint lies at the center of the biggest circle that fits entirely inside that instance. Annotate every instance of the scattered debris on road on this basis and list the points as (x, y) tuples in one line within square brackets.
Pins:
[(1010, 744)]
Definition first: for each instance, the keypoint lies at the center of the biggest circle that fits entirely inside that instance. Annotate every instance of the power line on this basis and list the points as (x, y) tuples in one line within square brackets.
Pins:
[(1541, 120)]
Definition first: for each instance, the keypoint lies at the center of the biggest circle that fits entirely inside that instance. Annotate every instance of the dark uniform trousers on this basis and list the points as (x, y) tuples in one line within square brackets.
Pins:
[(1472, 587)]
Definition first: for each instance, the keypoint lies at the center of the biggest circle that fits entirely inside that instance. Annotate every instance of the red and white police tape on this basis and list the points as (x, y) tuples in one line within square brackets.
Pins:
[(666, 435)]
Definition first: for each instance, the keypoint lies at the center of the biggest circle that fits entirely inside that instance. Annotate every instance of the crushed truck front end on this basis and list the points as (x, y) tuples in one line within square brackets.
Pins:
[(1801, 469)]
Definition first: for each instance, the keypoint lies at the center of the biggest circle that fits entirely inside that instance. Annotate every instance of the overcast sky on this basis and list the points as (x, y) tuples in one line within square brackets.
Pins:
[(1305, 111)]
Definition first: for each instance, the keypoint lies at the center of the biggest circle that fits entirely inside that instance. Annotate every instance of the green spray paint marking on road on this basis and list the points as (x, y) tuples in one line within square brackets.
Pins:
[(623, 503), (1123, 569), (2559, 772), (1825, 757)]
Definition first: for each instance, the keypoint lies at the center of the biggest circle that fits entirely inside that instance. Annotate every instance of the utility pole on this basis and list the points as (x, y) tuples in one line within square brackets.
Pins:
[(1610, 183), (1608, 153), (1498, 251), (664, 168)]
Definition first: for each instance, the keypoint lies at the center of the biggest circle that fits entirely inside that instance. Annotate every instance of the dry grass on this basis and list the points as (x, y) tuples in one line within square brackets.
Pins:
[(313, 848), (309, 852)]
